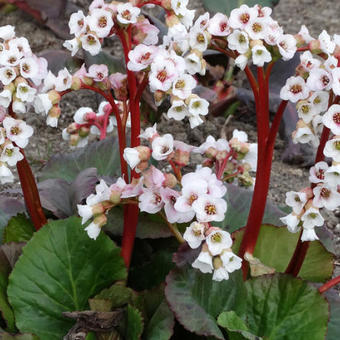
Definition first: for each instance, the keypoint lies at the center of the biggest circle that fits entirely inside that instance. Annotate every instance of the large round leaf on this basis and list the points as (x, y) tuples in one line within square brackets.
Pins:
[(280, 307), (197, 300), (61, 267), (275, 247)]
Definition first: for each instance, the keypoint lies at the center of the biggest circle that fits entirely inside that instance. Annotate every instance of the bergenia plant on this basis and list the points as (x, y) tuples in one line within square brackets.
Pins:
[(169, 213)]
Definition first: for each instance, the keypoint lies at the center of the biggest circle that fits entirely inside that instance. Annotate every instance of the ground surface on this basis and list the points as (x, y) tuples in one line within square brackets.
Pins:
[(316, 14)]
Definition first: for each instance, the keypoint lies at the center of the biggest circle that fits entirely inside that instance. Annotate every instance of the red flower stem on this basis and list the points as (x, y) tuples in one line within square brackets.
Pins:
[(329, 284), (131, 210), (266, 142), (142, 87), (222, 166), (31, 193), (121, 131), (176, 170), (303, 49), (323, 140), (253, 83)]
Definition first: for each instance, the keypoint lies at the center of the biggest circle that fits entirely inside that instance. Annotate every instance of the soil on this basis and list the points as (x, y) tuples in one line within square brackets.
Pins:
[(315, 14)]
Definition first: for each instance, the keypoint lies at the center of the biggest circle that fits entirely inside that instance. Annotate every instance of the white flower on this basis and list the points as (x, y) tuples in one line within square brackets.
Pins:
[(162, 147), (331, 119), (194, 234), (17, 131), (336, 81), (305, 34), (21, 44), (11, 155), (287, 46), (162, 74), (332, 149), (306, 111), (241, 61), (6, 175), (63, 81), (85, 212), (77, 23), (178, 110), (98, 72), (326, 44), (239, 41), (308, 234), (7, 75), (5, 98), (194, 120), (292, 222), (204, 262), (141, 57), (195, 63), (150, 201), (187, 17), (294, 90), (260, 55), (220, 274), (149, 132), (29, 67), (131, 156), (18, 106), (202, 21), (183, 86), (7, 32), (198, 39), (308, 62), (219, 25), (191, 191), (217, 241), (90, 43), (325, 196), (332, 176), (296, 200), (100, 21), (319, 79), (10, 57), (179, 6), (93, 230), (25, 92), (198, 106), (256, 28), (80, 115), (209, 208), (251, 156), (319, 99), (312, 218), (231, 262), (42, 103), (127, 14), (240, 17), (305, 135), (274, 32), (72, 45), (52, 121), (317, 172)]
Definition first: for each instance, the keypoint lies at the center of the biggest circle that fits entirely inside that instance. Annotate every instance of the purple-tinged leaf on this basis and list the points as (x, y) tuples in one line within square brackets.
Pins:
[(185, 255)]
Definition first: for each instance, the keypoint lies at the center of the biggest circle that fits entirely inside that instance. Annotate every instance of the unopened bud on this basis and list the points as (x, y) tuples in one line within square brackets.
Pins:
[(115, 197), (217, 262), (84, 131), (76, 84), (170, 180), (87, 81), (172, 20), (159, 96), (97, 209), (54, 96), (254, 43), (20, 80), (55, 112), (100, 220), (181, 158), (144, 152), (315, 47)]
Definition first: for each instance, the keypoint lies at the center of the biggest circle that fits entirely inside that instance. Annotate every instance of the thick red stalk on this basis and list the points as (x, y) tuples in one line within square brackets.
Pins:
[(31, 193), (253, 83), (266, 142), (329, 284)]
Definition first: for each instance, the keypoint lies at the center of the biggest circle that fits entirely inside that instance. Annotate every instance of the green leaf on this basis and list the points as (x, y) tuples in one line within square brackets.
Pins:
[(111, 298), (197, 300), (234, 324), (149, 226), (19, 229), (160, 326), (7, 336), (280, 307), (5, 308), (239, 201), (9, 207), (276, 245), (134, 327), (227, 6), (61, 267), (103, 155)]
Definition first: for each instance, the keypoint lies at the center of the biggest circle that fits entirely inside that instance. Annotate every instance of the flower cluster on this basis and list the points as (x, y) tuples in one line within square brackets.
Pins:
[(216, 255), (314, 89), (21, 73), (253, 34)]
